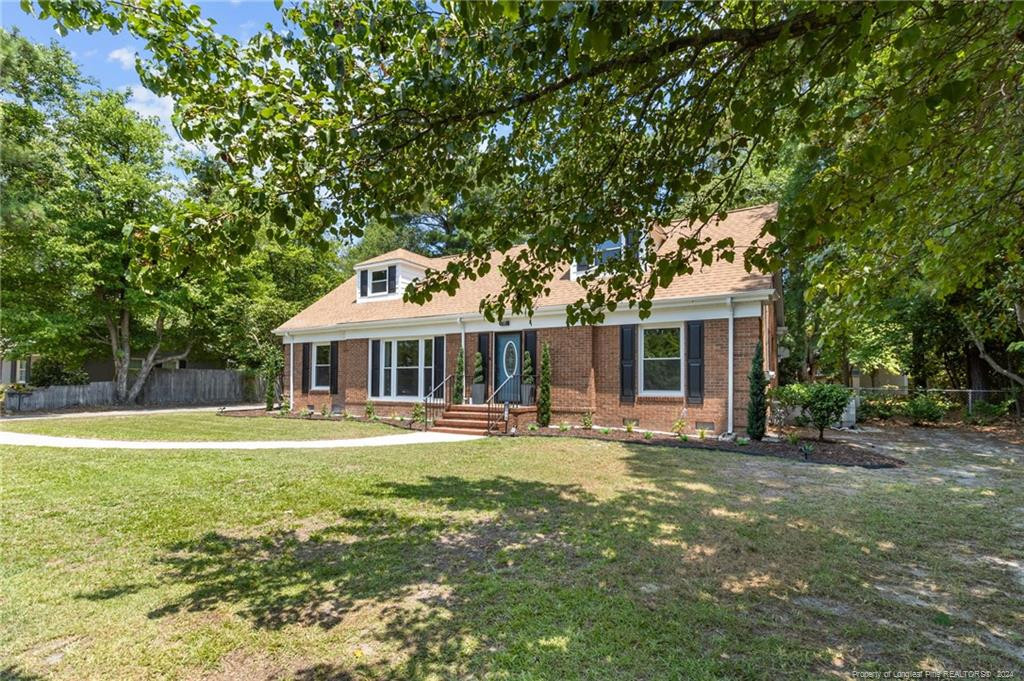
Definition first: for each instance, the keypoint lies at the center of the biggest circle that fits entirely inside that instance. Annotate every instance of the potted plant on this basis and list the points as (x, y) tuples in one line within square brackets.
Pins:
[(479, 386), (526, 389)]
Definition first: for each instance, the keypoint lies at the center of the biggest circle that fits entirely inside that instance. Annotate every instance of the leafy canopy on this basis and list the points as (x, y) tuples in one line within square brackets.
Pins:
[(583, 121)]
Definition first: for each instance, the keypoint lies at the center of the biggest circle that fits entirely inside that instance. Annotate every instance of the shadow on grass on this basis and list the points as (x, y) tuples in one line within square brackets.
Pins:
[(457, 577)]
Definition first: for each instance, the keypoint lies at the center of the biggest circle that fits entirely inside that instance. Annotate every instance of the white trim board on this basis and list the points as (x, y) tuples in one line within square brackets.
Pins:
[(662, 312)]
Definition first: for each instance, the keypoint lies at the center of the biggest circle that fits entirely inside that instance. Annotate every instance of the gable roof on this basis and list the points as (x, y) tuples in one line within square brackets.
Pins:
[(341, 306), (401, 254)]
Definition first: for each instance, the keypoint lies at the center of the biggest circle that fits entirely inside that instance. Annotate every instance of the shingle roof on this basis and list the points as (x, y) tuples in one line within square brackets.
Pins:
[(341, 307), (401, 254)]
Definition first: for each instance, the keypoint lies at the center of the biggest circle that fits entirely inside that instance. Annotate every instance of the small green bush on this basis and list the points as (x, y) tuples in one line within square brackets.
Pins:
[(702, 433), (419, 414), (630, 425), (605, 431), (742, 441), (824, 405), (563, 426), (47, 371), (679, 426), (325, 410), (587, 420), (371, 410), (648, 435), (984, 413), (684, 437), (924, 408), (792, 438), (533, 427)]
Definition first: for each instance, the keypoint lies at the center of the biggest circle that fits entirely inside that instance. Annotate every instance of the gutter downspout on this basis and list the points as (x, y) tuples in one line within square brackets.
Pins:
[(732, 326), (291, 373)]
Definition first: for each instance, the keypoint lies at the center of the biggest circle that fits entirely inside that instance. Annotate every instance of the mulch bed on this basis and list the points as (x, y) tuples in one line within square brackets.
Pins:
[(826, 452)]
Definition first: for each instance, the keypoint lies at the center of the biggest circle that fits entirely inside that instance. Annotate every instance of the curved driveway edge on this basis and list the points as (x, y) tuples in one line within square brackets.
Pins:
[(412, 438)]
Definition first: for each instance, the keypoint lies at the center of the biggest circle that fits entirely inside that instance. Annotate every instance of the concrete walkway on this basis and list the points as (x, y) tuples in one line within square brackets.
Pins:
[(411, 438)]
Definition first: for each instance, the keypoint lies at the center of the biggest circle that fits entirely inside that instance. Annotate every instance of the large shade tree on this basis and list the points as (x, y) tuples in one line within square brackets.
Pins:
[(582, 121), (93, 248)]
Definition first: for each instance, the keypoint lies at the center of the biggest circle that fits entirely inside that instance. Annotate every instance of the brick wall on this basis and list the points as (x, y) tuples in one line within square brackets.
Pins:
[(584, 378)]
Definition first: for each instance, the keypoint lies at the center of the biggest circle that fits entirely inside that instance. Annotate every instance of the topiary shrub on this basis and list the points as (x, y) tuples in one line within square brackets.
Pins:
[(478, 368), (824, 405), (544, 396), (459, 389), (757, 406), (527, 368)]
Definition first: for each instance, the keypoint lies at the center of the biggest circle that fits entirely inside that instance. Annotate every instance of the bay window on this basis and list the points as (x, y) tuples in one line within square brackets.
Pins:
[(661, 360)]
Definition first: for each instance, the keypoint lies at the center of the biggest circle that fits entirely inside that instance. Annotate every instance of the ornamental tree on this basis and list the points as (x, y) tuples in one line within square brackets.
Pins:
[(757, 405), (544, 392)]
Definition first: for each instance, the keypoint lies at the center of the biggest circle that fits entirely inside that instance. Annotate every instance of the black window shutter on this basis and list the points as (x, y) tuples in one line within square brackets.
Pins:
[(530, 346), (484, 346), (695, 360), (334, 367), (627, 363), (182, 364), (306, 369), (364, 283), (392, 278), (375, 368), (438, 364)]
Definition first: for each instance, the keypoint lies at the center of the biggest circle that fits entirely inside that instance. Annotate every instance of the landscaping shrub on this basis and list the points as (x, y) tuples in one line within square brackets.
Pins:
[(419, 414), (984, 413), (881, 406), (824, 405), (478, 369), (786, 398), (527, 368), (371, 410), (757, 407), (587, 420), (544, 394), (460, 377), (679, 426), (47, 371), (924, 408)]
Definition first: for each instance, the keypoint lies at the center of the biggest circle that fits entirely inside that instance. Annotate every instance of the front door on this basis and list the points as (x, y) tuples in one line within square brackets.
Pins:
[(508, 366)]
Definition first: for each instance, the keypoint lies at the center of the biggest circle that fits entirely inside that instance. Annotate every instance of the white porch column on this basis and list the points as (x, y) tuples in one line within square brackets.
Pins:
[(732, 326), (291, 373)]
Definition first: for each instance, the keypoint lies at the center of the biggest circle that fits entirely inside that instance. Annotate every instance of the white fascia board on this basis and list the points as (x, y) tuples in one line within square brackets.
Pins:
[(746, 304)]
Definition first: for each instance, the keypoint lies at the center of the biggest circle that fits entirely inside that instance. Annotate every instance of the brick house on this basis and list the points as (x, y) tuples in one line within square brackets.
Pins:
[(688, 360)]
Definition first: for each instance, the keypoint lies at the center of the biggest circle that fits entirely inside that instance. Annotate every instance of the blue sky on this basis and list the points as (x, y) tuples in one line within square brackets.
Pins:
[(110, 59)]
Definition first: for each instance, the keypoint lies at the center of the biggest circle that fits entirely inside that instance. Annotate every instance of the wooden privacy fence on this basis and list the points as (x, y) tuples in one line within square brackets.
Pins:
[(164, 387)]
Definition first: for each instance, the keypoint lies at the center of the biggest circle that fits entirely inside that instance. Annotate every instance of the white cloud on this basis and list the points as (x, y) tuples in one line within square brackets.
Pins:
[(146, 103), (124, 56)]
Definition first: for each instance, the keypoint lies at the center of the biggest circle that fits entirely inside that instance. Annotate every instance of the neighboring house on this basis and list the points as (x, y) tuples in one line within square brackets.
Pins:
[(102, 368), (688, 360)]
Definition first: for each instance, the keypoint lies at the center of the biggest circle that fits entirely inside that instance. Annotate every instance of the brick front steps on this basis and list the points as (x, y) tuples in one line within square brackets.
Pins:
[(471, 419)]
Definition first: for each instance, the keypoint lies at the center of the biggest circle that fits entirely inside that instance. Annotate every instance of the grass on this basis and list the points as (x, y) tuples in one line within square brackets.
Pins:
[(504, 559), (197, 426)]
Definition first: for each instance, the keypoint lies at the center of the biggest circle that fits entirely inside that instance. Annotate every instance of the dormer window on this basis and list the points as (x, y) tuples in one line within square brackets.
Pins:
[(604, 252), (378, 281)]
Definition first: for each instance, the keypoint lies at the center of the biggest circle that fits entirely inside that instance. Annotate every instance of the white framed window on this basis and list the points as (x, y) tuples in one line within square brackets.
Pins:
[(378, 282), (321, 376), (22, 373), (404, 368), (661, 360)]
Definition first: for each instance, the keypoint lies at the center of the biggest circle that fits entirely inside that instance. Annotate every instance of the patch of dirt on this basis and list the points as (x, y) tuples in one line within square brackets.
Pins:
[(814, 451)]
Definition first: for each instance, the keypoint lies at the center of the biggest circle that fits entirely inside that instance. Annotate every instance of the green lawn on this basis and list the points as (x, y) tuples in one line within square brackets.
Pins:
[(505, 559), (197, 426)]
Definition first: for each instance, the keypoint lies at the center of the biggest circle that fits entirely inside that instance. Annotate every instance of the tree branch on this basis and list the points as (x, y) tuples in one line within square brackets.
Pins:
[(985, 356)]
